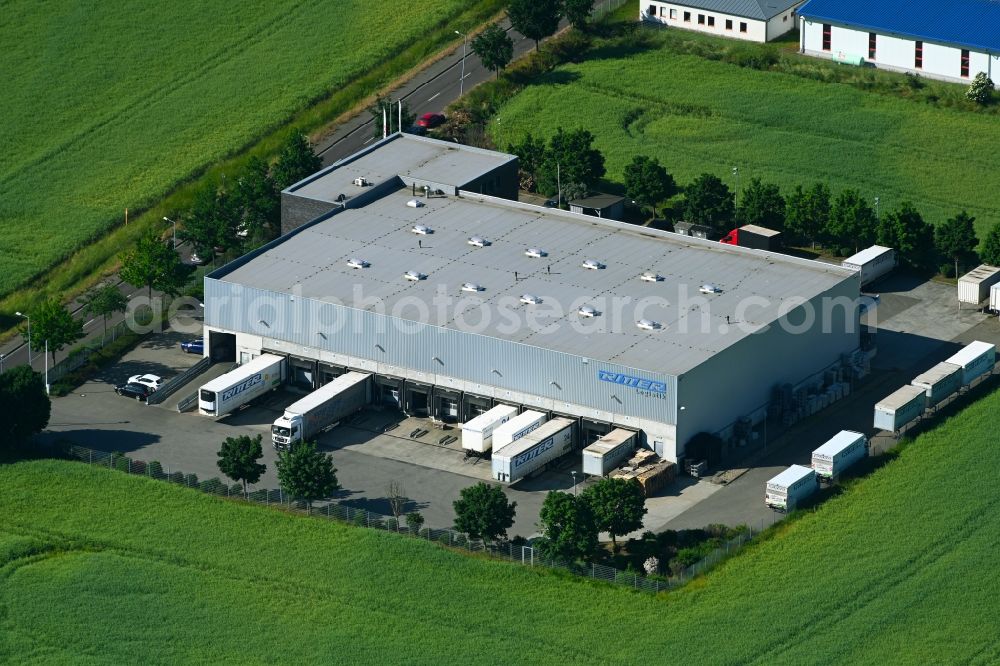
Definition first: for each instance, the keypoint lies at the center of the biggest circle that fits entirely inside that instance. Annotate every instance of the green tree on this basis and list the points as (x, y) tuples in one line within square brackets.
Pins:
[(414, 521), (648, 182), (763, 205), (306, 473), (570, 158), (494, 47), (535, 19), (981, 89), (807, 212), (51, 323), (913, 238), (211, 222), (257, 203), (990, 250), (956, 239), (568, 527), (577, 12), (296, 161), (103, 301), (852, 221), (530, 158), (24, 405), (708, 201), (618, 506), (389, 120), (239, 459), (153, 264), (483, 512)]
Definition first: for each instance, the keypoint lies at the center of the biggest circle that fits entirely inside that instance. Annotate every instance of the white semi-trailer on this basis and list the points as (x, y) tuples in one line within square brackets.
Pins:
[(477, 433), (241, 385), (533, 451), (871, 264), (843, 450), (516, 428), (940, 382), (323, 408), (785, 491), (608, 452), (974, 286), (976, 359), (899, 408)]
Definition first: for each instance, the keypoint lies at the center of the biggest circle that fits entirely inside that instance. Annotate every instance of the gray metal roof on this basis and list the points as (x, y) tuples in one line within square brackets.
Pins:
[(313, 263), (597, 201), (412, 157), (761, 10)]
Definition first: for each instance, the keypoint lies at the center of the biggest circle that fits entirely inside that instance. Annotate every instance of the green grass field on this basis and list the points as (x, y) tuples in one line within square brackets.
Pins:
[(699, 115), (106, 106), (99, 567)]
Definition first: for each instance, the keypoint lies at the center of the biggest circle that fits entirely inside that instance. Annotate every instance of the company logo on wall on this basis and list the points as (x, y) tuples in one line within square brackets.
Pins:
[(646, 387)]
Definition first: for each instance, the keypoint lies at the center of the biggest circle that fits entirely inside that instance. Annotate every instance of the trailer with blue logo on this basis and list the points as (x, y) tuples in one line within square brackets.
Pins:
[(534, 451), (516, 428), (241, 385)]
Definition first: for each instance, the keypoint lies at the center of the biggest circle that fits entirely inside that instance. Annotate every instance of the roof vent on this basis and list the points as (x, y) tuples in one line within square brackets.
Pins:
[(710, 289), (415, 203), (421, 229), (471, 286), (651, 277), (354, 262), (535, 253), (528, 299), (587, 311), (479, 241), (414, 276), (648, 324), (592, 264), (361, 181)]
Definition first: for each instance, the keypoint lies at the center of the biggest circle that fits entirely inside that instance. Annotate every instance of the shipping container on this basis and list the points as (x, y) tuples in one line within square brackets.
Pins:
[(755, 237), (787, 490), (477, 433), (900, 408), (940, 382), (872, 263), (241, 385), (534, 451), (516, 428), (608, 452), (843, 450), (974, 286), (321, 409), (995, 298), (976, 359)]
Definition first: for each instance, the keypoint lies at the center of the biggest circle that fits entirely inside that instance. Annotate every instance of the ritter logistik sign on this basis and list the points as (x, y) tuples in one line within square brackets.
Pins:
[(645, 386)]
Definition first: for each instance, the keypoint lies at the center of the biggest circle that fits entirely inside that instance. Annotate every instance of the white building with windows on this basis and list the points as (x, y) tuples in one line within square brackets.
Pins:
[(950, 41), (753, 20)]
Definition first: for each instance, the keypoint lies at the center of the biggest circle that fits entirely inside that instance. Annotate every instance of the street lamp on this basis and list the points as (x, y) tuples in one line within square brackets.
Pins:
[(167, 219), (465, 44), (2, 357), (876, 210), (29, 333), (574, 482), (736, 172)]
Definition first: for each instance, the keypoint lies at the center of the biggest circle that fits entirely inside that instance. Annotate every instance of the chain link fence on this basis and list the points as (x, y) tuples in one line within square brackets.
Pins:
[(604, 7), (510, 551)]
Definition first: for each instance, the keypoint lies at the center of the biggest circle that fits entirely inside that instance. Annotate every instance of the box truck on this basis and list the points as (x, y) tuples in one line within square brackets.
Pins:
[(976, 359), (974, 286), (477, 433), (843, 450), (872, 263), (787, 490), (608, 452), (754, 236), (940, 382), (241, 385), (533, 451), (900, 408), (324, 407), (516, 428)]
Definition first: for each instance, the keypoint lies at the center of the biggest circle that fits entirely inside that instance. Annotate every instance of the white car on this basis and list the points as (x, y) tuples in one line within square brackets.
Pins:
[(152, 381)]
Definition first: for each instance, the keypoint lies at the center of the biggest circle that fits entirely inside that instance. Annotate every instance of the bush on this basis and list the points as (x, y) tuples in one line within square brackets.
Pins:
[(258, 496), (425, 533), (753, 57), (214, 486), (445, 538), (139, 467), (155, 469), (191, 480), (360, 518), (176, 477), (122, 463), (236, 489)]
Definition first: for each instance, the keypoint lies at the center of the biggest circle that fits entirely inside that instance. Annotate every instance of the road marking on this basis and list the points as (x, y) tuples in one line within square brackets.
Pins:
[(369, 140), (89, 323), (433, 97)]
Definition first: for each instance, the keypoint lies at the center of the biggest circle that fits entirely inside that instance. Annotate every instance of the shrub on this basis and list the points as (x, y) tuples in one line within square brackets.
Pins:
[(122, 464), (753, 57), (213, 485), (191, 480), (155, 469), (258, 496), (361, 518), (425, 533), (139, 467), (236, 489)]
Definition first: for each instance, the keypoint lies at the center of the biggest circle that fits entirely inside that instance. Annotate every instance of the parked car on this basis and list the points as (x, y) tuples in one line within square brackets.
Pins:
[(152, 382), (430, 120), (198, 260), (194, 346), (138, 391)]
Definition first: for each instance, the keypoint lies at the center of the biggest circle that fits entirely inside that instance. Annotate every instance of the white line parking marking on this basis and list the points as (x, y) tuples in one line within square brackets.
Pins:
[(433, 97)]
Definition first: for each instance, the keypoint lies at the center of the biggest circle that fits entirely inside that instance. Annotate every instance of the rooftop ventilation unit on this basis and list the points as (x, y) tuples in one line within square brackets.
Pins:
[(414, 276), (535, 253), (710, 289), (361, 181), (478, 241), (528, 299), (354, 262), (421, 229), (650, 277), (648, 324), (471, 286), (587, 311), (415, 203), (592, 264)]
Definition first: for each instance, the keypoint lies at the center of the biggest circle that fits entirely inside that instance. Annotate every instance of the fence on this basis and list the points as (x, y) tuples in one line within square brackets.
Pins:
[(78, 357), (180, 380), (603, 7), (512, 552)]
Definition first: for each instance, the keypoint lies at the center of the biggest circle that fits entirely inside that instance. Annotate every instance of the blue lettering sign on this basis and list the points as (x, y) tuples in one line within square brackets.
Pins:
[(533, 453), (644, 386), (234, 391)]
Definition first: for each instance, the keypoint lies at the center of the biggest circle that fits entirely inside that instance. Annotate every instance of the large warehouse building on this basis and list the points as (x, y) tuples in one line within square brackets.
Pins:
[(456, 301)]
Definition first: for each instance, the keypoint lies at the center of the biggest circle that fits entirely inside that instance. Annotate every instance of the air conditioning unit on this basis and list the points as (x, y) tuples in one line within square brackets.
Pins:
[(414, 276), (361, 181), (421, 229), (478, 241), (529, 299), (710, 289), (587, 311), (648, 324), (357, 263), (415, 203), (592, 264), (535, 253), (471, 286), (650, 277)]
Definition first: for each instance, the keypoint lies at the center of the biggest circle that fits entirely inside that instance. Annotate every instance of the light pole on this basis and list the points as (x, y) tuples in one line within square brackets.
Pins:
[(2, 357), (574, 482), (46, 366), (19, 314), (736, 172), (876, 210), (167, 219), (465, 44)]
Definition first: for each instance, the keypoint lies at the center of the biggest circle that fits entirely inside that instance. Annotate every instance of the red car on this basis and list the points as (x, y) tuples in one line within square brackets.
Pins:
[(430, 120)]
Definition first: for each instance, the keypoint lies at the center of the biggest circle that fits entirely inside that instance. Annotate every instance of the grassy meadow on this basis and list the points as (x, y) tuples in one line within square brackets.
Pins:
[(100, 567), (698, 115), (108, 106)]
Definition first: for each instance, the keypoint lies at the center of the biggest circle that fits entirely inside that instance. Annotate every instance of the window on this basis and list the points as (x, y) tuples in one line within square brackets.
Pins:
[(701, 19), (965, 63), (743, 26), (673, 14), (826, 36), (918, 55), (663, 10), (711, 21), (871, 45), (687, 16), (729, 24), (784, 19)]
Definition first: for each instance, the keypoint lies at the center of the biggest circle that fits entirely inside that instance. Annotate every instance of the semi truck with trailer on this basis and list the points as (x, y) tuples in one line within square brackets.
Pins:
[(843, 450), (516, 428), (787, 490), (321, 409), (534, 451), (477, 433), (239, 386), (608, 452)]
